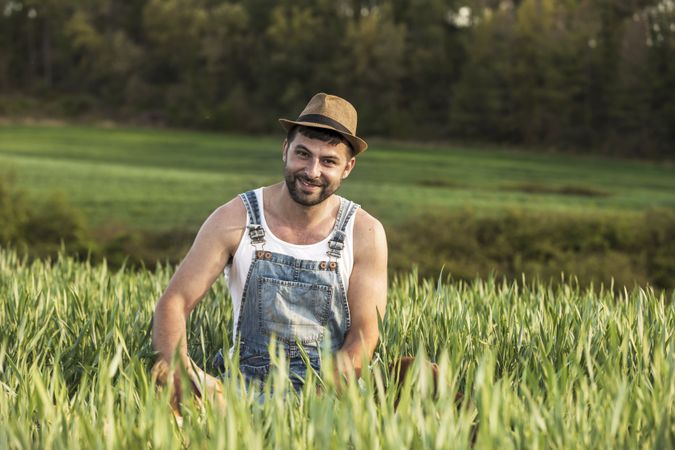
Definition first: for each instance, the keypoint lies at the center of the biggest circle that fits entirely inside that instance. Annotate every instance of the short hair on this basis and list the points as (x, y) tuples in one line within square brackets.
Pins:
[(322, 134)]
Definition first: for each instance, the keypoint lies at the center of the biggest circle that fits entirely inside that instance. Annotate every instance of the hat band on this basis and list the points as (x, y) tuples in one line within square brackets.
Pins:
[(323, 120)]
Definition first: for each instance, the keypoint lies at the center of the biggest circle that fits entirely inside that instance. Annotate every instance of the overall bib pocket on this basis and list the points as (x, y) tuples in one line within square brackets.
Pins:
[(293, 311)]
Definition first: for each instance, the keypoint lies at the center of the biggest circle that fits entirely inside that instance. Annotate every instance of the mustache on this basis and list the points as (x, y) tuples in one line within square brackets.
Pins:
[(313, 182)]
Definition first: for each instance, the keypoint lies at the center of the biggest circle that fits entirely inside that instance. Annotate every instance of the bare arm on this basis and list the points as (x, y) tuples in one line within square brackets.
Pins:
[(214, 245), (367, 295)]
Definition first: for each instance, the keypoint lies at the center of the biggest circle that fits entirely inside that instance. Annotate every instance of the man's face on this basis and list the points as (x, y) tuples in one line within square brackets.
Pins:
[(315, 169)]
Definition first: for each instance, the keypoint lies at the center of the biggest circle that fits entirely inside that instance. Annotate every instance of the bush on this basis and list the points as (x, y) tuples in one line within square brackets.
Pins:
[(40, 229), (659, 249), (52, 223), (121, 245), (596, 249), (13, 210)]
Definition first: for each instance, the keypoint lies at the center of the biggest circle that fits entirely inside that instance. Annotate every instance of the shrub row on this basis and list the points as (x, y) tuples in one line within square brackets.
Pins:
[(598, 248), (39, 225), (42, 228)]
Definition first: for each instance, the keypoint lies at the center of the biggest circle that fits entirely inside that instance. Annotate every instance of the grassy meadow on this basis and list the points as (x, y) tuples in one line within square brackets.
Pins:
[(541, 367), (159, 179)]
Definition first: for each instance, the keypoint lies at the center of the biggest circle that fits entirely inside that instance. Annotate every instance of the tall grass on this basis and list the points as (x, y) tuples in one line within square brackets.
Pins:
[(540, 366)]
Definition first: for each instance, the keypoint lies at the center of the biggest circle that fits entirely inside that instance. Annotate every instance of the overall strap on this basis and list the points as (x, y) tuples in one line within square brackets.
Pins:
[(337, 241), (255, 229)]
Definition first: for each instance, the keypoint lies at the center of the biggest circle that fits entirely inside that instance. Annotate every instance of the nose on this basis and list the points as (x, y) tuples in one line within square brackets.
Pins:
[(312, 169)]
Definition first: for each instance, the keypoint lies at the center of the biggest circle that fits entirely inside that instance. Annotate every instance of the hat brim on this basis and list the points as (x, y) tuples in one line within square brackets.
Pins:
[(358, 144)]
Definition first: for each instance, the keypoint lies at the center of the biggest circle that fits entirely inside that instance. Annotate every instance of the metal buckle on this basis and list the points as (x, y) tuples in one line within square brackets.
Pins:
[(256, 233), (336, 245)]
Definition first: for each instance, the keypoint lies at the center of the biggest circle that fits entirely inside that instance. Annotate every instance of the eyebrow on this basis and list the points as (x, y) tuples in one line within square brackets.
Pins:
[(302, 147)]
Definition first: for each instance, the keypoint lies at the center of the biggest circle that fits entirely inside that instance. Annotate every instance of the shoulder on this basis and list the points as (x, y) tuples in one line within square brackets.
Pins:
[(232, 211), (369, 234), (365, 223), (226, 224)]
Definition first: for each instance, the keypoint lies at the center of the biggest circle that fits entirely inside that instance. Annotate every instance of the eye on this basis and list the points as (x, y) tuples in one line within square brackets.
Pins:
[(329, 162)]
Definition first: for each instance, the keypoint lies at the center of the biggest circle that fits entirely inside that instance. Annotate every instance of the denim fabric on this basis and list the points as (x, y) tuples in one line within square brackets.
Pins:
[(297, 302)]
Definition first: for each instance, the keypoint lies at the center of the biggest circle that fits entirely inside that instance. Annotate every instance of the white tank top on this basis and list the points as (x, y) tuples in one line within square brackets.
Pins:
[(236, 273)]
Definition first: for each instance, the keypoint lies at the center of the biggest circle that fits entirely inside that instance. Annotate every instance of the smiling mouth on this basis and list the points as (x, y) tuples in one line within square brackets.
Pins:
[(308, 184)]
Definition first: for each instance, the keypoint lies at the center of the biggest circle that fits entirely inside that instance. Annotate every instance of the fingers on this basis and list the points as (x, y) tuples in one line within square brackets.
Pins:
[(162, 376), (160, 372), (209, 387)]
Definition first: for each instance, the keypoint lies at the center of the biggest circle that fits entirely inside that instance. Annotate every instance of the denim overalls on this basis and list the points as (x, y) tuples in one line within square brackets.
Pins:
[(298, 301)]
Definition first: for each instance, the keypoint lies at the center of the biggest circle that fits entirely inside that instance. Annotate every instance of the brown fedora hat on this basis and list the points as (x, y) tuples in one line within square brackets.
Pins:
[(333, 113)]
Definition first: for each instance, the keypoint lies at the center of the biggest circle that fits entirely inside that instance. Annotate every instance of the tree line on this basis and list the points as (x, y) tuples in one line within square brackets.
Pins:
[(579, 75)]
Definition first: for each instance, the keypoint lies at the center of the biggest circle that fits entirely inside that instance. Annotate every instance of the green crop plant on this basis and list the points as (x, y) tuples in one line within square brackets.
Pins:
[(540, 366)]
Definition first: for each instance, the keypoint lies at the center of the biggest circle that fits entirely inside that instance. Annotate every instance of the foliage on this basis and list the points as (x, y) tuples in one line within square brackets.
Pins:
[(39, 227), (598, 249), (42, 229), (540, 366), (121, 245), (13, 211), (582, 76)]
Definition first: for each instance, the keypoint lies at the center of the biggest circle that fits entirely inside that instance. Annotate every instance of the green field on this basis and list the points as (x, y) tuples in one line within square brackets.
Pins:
[(540, 366), (165, 179)]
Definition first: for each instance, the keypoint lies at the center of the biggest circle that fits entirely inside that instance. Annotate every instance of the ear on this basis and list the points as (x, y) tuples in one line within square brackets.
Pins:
[(284, 150), (348, 168)]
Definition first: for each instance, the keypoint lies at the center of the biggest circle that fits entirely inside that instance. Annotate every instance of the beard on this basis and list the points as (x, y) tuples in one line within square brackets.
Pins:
[(304, 198)]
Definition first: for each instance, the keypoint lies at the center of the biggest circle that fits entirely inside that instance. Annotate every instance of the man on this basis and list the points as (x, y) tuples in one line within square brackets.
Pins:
[(306, 267)]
